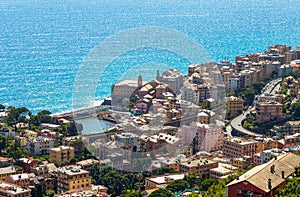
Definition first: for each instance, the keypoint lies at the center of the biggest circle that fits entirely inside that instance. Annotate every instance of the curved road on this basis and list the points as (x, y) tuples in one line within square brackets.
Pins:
[(236, 123)]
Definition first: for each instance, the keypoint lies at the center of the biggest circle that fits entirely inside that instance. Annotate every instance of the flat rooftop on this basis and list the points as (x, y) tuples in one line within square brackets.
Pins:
[(12, 189), (162, 179), (7, 170)]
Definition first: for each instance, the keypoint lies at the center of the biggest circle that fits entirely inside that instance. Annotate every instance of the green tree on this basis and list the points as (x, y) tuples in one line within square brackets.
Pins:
[(2, 107), (44, 116), (292, 187), (15, 114), (178, 185), (258, 86), (161, 193), (274, 73), (164, 170), (218, 189), (296, 109), (3, 142), (194, 180), (50, 193), (207, 183), (248, 95), (115, 182), (296, 74), (193, 194), (131, 193)]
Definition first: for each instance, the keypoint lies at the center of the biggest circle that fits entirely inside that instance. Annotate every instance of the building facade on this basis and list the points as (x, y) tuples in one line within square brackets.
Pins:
[(200, 166), (61, 155), (11, 190), (265, 180), (238, 147), (234, 106), (268, 111), (69, 178), (40, 145)]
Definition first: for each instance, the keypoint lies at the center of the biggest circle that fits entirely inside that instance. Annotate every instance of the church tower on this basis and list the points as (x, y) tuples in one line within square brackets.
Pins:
[(140, 81), (157, 74)]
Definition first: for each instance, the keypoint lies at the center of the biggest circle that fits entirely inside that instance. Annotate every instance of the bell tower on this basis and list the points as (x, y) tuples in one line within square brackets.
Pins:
[(140, 81)]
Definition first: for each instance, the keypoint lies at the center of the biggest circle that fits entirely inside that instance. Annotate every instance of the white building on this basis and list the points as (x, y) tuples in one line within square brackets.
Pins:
[(11, 190), (124, 89), (162, 181), (40, 145), (173, 78), (128, 139)]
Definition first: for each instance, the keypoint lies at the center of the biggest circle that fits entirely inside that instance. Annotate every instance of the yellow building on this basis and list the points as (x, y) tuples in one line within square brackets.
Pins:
[(234, 106), (69, 178), (6, 171), (241, 163), (61, 155)]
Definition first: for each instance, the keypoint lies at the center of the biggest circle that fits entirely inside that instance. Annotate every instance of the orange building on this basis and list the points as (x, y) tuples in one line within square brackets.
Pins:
[(238, 147), (199, 166), (267, 111)]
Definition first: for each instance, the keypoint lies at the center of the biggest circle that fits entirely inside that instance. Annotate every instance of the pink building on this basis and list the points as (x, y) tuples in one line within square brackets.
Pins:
[(267, 111), (205, 137), (142, 106)]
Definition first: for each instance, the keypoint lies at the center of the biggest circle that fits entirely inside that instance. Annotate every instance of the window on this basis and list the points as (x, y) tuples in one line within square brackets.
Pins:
[(238, 191)]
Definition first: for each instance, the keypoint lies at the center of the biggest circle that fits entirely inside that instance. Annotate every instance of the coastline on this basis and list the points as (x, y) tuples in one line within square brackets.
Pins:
[(80, 110)]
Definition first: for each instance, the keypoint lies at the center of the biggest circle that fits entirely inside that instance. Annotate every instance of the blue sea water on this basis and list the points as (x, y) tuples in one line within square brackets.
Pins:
[(43, 43)]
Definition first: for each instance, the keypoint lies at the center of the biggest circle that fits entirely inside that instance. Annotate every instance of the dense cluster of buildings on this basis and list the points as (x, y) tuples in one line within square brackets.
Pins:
[(41, 177), (252, 68), (175, 121)]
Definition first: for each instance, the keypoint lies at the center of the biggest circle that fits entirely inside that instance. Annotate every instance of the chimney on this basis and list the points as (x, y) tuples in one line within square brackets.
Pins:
[(282, 174), (237, 178), (269, 184), (272, 169)]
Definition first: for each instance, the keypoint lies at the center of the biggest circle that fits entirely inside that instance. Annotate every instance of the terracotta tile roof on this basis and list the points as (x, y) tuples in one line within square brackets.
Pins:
[(259, 175)]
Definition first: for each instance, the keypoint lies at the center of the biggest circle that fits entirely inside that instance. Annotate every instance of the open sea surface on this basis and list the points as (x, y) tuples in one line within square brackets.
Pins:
[(43, 43)]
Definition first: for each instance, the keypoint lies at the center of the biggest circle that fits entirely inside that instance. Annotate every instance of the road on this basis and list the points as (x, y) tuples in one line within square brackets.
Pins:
[(236, 123)]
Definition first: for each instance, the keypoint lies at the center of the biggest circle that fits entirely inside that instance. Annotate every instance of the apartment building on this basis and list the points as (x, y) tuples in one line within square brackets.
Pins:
[(61, 155), (234, 106), (22, 180), (40, 145), (11, 190), (6, 171), (222, 171), (267, 111), (238, 147), (201, 167), (206, 116), (173, 78), (159, 140), (4, 162), (203, 137), (69, 178), (130, 139)]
